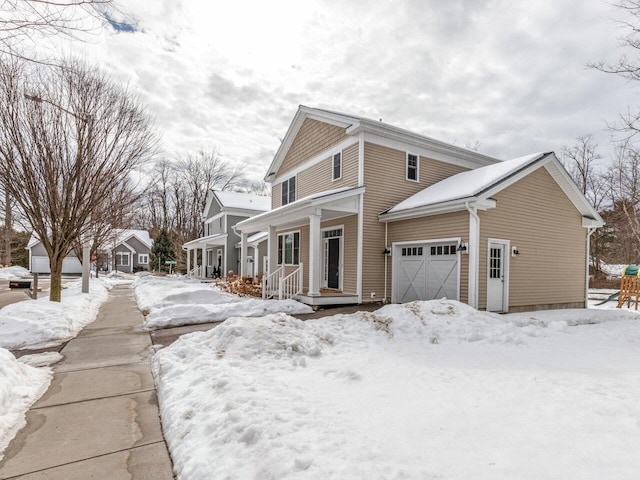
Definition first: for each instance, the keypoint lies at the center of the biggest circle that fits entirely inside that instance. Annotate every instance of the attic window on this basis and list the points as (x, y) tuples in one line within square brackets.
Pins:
[(289, 191), (412, 167)]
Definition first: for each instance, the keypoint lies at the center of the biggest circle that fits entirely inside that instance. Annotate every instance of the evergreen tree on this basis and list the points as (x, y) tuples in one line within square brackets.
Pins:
[(162, 251)]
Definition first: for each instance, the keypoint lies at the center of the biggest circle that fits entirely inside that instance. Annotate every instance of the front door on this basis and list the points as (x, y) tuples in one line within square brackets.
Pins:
[(497, 278), (333, 263)]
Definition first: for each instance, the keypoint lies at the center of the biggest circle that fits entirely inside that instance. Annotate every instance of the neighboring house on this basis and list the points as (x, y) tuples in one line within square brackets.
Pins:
[(364, 211), (218, 250), (39, 260), (127, 251), (130, 250)]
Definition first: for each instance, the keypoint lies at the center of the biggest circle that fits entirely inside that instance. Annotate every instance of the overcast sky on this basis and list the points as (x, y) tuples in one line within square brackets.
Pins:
[(510, 75)]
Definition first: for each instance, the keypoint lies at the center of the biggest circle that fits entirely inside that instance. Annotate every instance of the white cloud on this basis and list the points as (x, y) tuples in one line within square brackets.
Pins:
[(510, 75)]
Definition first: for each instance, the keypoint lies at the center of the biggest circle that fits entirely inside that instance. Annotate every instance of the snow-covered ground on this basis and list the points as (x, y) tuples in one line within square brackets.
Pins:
[(13, 272), (417, 391), (20, 386), (173, 301), (41, 323)]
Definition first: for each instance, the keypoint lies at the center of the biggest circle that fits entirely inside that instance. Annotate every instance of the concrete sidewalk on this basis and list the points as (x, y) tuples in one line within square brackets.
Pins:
[(99, 418)]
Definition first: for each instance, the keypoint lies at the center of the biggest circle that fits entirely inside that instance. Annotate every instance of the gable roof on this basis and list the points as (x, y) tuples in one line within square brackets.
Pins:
[(243, 201), (475, 187), (354, 125), (123, 235)]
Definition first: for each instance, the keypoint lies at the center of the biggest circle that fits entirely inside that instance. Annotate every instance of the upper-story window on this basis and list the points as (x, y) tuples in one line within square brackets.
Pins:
[(412, 167), (337, 166), (289, 190)]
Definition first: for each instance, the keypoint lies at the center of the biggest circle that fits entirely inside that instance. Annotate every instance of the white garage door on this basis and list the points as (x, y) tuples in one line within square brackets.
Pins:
[(425, 271), (40, 264)]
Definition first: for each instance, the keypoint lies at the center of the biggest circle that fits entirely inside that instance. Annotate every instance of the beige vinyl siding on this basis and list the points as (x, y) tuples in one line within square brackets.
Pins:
[(539, 219), (386, 185), (449, 225), (276, 196), (312, 138), (319, 177)]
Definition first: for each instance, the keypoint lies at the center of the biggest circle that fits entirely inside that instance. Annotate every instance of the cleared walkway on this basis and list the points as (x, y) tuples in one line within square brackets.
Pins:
[(99, 418)]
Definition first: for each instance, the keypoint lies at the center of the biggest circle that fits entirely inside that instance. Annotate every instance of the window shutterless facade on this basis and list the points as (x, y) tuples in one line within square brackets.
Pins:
[(289, 248), (143, 259), (337, 166), (289, 190), (122, 259), (412, 167)]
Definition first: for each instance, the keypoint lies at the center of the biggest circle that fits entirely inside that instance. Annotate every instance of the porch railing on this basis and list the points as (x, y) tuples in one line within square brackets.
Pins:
[(291, 285), (271, 283), (195, 272)]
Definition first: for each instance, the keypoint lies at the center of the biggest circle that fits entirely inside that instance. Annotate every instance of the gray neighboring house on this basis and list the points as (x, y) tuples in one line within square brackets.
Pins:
[(39, 260), (218, 247), (131, 250)]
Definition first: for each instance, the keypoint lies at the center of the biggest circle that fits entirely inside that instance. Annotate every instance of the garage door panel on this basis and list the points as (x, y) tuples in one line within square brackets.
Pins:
[(426, 271)]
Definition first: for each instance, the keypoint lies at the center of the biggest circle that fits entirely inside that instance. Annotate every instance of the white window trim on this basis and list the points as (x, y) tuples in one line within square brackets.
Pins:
[(121, 255), (333, 179), (325, 264), (406, 167), (141, 256), (295, 197), (284, 256)]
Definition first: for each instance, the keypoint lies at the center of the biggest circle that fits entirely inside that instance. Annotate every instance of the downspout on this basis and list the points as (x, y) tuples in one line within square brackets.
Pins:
[(386, 258), (590, 231), (474, 258)]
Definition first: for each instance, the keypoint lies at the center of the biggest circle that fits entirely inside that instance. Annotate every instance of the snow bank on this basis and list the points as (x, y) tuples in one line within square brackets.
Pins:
[(423, 390), (13, 272), (41, 323), (173, 302), (20, 386)]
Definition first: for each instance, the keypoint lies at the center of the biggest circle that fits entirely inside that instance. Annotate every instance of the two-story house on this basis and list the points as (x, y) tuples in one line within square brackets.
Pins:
[(365, 211), (218, 251)]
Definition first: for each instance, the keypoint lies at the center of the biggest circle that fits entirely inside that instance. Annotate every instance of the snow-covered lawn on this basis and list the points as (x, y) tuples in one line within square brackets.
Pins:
[(7, 273), (20, 386), (41, 323), (417, 391), (172, 301)]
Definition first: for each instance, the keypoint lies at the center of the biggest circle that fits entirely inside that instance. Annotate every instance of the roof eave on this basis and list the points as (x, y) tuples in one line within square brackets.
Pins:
[(450, 206)]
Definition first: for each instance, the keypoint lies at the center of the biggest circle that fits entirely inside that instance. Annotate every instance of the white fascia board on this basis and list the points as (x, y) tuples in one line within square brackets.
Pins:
[(324, 155), (214, 218), (430, 146), (207, 204), (128, 246), (203, 241), (290, 213), (457, 205), (588, 222)]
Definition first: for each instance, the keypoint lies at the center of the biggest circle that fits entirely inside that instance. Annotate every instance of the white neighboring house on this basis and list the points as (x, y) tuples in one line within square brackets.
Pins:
[(39, 260), (218, 247), (129, 250)]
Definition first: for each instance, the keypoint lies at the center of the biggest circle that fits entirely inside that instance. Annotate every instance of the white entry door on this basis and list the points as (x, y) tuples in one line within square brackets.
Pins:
[(497, 276)]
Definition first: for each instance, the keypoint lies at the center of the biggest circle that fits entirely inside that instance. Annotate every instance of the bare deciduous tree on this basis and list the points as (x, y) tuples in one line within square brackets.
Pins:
[(67, 148)]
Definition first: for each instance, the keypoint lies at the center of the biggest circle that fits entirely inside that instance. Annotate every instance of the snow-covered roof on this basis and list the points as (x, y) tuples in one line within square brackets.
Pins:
[(142, 235), (466, 184), (243, 201)]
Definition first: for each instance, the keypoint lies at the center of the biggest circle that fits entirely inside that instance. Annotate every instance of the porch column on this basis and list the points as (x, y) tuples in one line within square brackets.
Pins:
[(188, 260), (256, 260), (203, 262), (272, 251), (243, 253), (314, 255)]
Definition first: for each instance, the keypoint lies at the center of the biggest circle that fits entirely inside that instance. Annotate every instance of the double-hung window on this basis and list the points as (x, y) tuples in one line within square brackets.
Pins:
[(143, 259), (412, 167), (122, 259), (289, 190), (337, 166), (289, 248)]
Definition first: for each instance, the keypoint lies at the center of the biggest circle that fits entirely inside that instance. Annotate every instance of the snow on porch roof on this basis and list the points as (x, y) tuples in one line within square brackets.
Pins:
[(244, 201), (466, 184)]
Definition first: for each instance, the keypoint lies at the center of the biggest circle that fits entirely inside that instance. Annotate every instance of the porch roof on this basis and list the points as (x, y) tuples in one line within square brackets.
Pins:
[(208, 241), (330, 204)]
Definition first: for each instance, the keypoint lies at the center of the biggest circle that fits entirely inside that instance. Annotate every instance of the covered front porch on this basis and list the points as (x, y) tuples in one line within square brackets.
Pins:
[(212, 257), (313, 248)]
